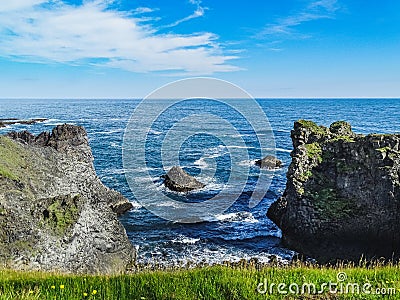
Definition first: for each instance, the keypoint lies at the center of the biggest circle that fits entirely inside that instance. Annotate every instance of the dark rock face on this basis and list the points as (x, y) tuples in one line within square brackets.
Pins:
[(342, 197), (55, 214), (178, 180), (269, 162)]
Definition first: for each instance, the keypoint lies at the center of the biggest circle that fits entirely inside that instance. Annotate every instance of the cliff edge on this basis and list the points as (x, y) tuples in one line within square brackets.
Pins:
[(55, 214), (342, 197)]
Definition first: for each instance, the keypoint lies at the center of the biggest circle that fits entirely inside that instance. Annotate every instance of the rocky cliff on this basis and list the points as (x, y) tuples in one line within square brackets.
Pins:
[(342, 197), (55, 214)]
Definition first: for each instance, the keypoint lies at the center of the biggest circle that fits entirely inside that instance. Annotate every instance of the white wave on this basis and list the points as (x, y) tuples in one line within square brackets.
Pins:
[(283, 150), (115, 145), (136, 205), (239, 147), (114, 171), (201, 163), (185, 240), (167, 204), (156, 132), (214, 152), (58, 123), (242, 216), (246, 163), (5, 127), (50, 121), (146, 179), (210, 183), (277, 150), (108, 132)]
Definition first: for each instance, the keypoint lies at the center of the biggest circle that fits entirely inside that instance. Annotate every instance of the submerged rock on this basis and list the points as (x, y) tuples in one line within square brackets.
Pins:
[(342, 197), (178, 180), (269, 162), (55, 214)]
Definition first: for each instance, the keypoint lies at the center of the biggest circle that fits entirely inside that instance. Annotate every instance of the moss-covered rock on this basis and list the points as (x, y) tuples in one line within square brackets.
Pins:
[(55, 214), (342, 197)]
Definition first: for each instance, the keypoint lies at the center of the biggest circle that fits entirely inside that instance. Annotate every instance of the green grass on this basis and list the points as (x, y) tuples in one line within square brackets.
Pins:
[(11, 158), (216, 282)]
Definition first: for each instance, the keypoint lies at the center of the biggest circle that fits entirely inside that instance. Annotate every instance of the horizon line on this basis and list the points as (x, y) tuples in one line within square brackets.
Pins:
[(139, 98)]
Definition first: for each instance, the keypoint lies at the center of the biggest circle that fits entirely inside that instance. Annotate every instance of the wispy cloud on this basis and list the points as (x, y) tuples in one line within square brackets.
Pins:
[(94, 33), (144, 10), (286, 27), (199, 12)]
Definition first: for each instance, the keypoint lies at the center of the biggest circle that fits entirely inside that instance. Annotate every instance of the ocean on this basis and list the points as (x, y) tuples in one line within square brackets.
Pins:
[(242, 230)]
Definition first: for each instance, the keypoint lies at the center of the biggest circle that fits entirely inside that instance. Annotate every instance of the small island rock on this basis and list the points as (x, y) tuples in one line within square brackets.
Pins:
[(269, 162), (179, 181)]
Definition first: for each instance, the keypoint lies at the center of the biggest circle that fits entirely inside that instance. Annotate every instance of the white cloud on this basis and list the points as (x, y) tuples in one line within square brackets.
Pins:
[(144, 10), (199, 12), (92, 33), (6, 6), (285, 27)]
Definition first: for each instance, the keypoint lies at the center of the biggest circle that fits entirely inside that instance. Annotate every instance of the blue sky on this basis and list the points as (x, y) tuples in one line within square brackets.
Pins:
[(271, 48)]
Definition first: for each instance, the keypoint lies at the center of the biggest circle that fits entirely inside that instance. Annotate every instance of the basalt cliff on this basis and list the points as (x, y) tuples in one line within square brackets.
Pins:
[(342, 197), (55, 214)]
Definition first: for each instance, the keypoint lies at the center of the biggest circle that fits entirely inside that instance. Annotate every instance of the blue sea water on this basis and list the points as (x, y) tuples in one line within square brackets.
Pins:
[(240, 231)]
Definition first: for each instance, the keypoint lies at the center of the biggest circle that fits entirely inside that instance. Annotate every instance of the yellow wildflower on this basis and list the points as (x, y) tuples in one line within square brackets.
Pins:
[(53, 287), (61, 286), (85, 294), (30, 292), (94, 292)]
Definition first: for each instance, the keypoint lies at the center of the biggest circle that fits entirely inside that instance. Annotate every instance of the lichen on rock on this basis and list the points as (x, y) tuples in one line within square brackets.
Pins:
[(342, 197)]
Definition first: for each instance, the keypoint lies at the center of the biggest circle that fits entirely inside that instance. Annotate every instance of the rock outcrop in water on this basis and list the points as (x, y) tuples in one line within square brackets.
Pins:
[(178, 180), (269, 162), (6, 122), (342, 197), (55, 214)]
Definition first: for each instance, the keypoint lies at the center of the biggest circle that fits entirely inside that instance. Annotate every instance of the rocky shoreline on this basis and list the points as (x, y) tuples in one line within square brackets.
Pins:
[(342, 197), (55, 214), (342, 200), (6, 122)]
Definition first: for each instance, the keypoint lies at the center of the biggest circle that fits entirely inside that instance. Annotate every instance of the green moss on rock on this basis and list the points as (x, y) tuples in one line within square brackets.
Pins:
[(330, 204), (312, 126), (341, 128), (62, 213), (314, 151), (304, 176), (344, 138), (384, 149)]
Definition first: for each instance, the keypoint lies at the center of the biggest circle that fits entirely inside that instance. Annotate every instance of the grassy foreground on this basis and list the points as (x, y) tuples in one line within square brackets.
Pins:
[(217, 282)]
